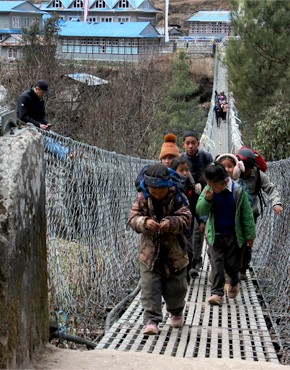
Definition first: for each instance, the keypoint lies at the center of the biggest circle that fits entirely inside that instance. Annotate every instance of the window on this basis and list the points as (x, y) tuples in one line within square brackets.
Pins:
[(78, 4), (96, 42), (25, 22), (100, 4), (57, 4), (123, 4), (16, 22), (115, 42), (91, 19), (102, 49), (106, 19), (121, 42), (102, 42), (108, 42), (135, 42), (12, 53), (123, 19)]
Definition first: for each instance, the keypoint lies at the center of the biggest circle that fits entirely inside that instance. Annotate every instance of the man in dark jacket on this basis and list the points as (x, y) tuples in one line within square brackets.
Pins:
[(30, 105)]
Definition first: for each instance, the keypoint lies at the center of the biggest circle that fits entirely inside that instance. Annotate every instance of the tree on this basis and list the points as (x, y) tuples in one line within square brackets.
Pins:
[(39, 49), (273, 132), (181, 109), (258, 62)]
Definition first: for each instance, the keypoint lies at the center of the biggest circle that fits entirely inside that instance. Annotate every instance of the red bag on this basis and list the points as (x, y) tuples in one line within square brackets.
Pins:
[(259, 159)]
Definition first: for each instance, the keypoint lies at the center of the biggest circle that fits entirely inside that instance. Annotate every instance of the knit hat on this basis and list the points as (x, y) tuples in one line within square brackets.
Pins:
[(247, 156), (169, 147)]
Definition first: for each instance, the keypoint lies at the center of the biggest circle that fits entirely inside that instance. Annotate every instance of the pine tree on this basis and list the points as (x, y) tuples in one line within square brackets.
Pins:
[(181, 111)]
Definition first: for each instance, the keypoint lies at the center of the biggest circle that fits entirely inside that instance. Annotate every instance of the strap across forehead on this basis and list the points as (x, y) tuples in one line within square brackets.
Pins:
[(157, 182)]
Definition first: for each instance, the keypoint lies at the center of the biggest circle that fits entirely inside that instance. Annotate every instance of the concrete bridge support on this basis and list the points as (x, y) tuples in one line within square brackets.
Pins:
[(23, 263)]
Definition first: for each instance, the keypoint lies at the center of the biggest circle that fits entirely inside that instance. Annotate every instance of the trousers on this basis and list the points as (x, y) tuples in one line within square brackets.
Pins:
[(155, 285)]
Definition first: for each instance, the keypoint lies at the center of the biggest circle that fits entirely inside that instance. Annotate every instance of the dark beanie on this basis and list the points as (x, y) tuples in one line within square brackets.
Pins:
[(158, 170), (247, 156)]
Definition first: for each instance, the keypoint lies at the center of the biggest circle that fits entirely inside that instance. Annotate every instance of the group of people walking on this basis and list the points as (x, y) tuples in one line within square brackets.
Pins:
[(220, 107), (182, 198)]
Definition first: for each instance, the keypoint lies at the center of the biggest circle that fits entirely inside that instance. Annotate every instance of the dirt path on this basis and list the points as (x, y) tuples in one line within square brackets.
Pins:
[(55, 358)]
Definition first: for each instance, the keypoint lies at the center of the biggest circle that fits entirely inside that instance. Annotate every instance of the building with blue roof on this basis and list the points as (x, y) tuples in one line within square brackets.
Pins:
[(103, 10), (130, 41), (13, 16), (210, 24)]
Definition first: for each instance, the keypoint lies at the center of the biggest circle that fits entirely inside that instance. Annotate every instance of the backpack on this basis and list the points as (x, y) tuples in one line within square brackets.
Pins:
[(259, 159), (260, 165)]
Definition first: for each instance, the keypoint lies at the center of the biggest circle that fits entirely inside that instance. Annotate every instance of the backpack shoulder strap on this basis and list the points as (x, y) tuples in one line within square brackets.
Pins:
[(258, 189)]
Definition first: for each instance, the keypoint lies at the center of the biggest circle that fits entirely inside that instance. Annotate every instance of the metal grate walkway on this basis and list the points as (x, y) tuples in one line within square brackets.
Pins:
[(236, 329)]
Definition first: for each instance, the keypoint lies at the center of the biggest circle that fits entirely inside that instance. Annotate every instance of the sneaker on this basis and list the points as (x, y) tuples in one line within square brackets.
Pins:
[(233, 291), (177, 320), (150, 329), (215, 299)]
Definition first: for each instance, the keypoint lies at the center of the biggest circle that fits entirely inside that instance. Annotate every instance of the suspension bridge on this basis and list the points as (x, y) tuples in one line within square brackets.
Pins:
[(93, 259)]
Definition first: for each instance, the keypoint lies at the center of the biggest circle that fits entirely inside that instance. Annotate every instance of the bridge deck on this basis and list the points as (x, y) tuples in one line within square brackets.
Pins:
[(236, 329)]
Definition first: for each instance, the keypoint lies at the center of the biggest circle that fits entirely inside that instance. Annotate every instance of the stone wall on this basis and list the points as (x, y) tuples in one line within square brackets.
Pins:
[(23, 264)]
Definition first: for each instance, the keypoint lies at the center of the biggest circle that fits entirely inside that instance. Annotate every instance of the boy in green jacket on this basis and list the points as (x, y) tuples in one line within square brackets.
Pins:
[(230, 225)]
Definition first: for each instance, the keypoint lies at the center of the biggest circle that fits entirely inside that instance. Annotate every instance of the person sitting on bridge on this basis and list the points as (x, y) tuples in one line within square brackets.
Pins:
[(229, 226), (30, 105), (160, 215)]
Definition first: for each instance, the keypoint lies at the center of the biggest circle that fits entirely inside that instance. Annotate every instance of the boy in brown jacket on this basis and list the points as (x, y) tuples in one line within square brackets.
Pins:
[(161, 217)]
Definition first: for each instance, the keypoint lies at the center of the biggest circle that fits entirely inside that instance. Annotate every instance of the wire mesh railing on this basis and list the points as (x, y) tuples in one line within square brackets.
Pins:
[(92, 254), (271, 257)]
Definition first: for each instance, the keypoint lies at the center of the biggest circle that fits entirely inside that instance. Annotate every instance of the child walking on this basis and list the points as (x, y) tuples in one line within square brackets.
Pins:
[(230, 224), (192, 191), (197, 160), (160, 216), (256, 180)]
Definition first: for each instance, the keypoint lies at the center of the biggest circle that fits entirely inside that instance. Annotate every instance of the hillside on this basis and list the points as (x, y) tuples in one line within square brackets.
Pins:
[(181, 10)]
